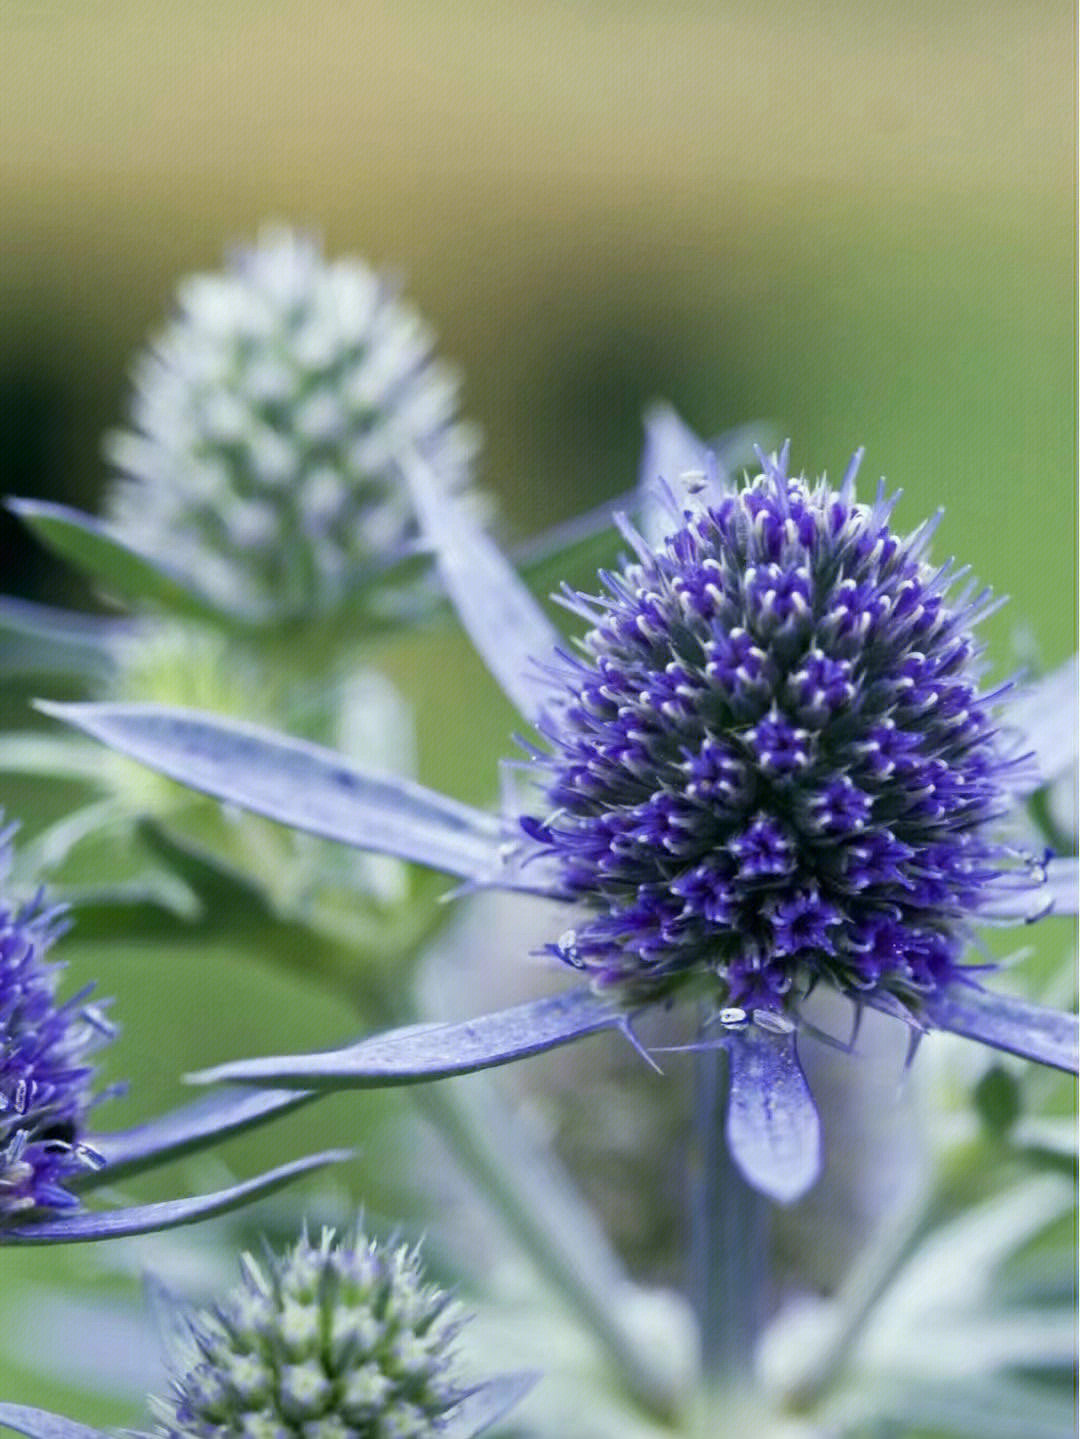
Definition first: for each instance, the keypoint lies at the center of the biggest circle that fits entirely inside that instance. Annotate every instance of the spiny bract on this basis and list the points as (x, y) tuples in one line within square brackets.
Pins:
[(336, 1339), (771, 762)]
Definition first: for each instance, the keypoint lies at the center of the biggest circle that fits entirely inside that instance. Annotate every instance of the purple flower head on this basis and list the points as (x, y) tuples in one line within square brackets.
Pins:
[(45, 1070), (817, 764), (769, 765)]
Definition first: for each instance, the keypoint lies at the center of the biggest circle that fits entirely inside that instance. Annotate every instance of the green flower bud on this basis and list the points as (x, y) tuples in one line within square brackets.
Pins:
[(267, 422), (336, 1340)]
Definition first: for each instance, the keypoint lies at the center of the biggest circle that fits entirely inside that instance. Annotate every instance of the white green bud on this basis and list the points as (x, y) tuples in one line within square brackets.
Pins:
[(267, 425)]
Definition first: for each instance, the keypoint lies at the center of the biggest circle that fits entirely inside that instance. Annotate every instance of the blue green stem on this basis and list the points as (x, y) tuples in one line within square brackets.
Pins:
[(729, 1239)]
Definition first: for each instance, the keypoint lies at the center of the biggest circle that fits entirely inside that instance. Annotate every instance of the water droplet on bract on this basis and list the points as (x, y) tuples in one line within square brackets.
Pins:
[(773, 1022), (567, 942), (733, 1017)]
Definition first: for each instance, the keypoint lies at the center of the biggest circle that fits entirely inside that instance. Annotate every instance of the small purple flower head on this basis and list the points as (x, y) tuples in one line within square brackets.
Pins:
[(771, 763), (45, 1074)]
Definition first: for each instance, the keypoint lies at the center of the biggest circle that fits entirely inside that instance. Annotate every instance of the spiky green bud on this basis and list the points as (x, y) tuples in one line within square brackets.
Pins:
[(339, 1338), (267, 423)]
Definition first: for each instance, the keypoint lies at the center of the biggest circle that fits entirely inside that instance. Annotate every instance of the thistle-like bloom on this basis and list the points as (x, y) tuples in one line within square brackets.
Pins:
[(770, 765), (45, 1071), (48, 1157), (343, 1339), (267, 419)]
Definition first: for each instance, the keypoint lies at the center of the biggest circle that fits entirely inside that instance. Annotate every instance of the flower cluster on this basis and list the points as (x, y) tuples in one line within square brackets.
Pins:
[(268, 420), (340, 1337), (772, 764), (45, 1073)]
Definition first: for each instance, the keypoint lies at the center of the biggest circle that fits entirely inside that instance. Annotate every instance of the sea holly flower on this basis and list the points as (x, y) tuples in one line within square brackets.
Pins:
[(768, 765), (339, 1337), (49, 1157)]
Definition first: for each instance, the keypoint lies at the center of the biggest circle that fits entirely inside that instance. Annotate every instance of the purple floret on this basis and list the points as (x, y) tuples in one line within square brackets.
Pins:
[(45, 1077)]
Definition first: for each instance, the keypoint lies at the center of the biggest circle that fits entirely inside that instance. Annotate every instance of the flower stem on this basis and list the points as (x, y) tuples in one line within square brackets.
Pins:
[(530, 1192), (729, 1240), (539, 1206)]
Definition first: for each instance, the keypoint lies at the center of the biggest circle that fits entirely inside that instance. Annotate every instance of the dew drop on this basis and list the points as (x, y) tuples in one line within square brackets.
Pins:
[(733, 1017)]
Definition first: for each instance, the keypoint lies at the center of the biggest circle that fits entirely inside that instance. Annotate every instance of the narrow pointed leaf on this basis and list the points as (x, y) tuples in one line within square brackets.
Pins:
[(511, 633), (40, 1424), (773, 1131), (1017, 1026), (421, 1052), (998, 1406), (298, 784), (39, 639), (486, 1405), (575, 549), (1046, 716), (100, 553), (169, 1214), (52, 756), (52, 846), (191, 1127), (672, 448), (1062, 876)]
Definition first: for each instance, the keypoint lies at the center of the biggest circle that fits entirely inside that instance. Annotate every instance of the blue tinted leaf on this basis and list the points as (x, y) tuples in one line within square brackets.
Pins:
[(38, 639), (1017, 1026), (421, 1052), (1045, 713), (298, 784), (511, 633), (207, 1121), (87, 1225), (486, 1405), (40, 1424), (1062, 877), (773, 1131)]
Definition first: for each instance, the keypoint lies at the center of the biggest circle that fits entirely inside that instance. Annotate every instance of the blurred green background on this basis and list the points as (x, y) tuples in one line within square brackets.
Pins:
[(854, 220)]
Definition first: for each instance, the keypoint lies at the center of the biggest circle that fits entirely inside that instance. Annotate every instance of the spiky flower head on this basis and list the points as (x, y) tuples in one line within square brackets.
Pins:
[(771, 763), (334, 1339), (45, 1076), (267, 421)]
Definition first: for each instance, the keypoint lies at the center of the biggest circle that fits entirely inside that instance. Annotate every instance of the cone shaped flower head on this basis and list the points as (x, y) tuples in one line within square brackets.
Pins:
[(342, 1337), (267, 423), (45, 1070), (771, 763)]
